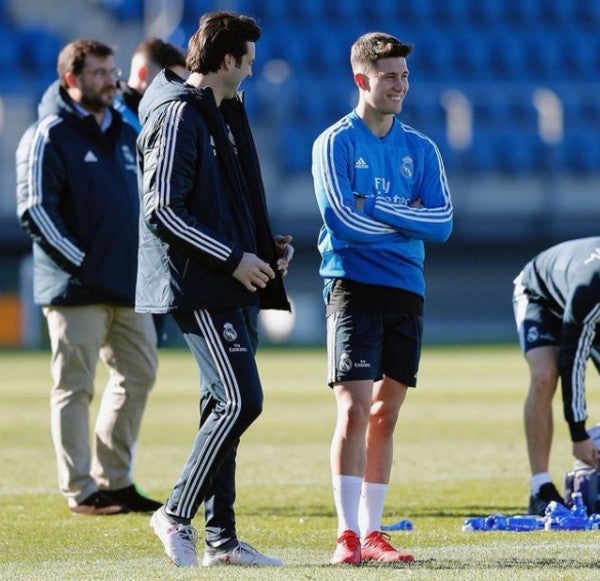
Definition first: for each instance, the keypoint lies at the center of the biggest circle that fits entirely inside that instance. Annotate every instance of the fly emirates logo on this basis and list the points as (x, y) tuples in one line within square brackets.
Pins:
[(383, 186)]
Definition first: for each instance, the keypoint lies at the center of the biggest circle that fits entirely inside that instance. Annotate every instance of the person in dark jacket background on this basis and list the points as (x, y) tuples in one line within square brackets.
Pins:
[(77, 198), (208, 256), (150, 57)]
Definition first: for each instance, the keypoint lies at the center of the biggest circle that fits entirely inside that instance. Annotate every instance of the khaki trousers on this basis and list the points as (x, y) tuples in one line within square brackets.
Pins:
[(126, 342)]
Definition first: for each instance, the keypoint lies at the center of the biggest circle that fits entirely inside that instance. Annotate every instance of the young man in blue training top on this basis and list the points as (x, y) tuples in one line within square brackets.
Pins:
[(382, 192), (557, 310)]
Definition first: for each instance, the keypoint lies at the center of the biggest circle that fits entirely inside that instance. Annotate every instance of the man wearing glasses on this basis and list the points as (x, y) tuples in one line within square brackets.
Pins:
[(77, 198)]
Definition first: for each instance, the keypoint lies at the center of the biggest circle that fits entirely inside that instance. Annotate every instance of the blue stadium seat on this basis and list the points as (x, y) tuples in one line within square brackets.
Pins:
[(454, 13), (421, 13), (481, 156), (265, 51), (491, 108), (266, 11), (295, 146), (558, 13), (517, 152), (328, 52), (10, 50), (506, 53), (382, 13), (11, 73), (193, 9), (431, 56), (470, 54), (40, 48), (525, 13), (125, 10), (342, 13), (588, 14), (580, 53), (573, 111), (308, 103), (286, 44), (322, 101), (312, 11), (543, 55), (582, 150), (490, 12)]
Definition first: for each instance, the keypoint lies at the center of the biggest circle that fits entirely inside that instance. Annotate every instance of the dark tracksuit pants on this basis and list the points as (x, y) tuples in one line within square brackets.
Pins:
[(223, 343)]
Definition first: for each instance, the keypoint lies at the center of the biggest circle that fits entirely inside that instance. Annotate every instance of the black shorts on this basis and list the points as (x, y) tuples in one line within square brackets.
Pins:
[(369, 344), (537, 325)]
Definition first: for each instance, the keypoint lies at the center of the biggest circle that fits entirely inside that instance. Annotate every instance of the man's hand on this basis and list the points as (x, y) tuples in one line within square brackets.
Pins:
[(285, 252), (252, 272), (587, 452), (359, 202)]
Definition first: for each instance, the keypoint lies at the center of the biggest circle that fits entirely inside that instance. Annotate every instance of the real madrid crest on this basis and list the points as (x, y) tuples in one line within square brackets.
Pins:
[(345, 363), (229, 333), (407, 168), (533, 334)]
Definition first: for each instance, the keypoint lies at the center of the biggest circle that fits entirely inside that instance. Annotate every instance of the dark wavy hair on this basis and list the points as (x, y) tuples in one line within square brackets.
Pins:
[(219, 34)]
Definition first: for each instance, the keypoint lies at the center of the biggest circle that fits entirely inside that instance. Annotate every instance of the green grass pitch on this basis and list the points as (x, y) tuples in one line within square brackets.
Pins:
[(460, 452)]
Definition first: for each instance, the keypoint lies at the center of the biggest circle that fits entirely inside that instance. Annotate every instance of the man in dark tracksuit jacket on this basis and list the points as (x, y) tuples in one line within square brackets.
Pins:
[(77, 198), (207, 255), (557, 311)]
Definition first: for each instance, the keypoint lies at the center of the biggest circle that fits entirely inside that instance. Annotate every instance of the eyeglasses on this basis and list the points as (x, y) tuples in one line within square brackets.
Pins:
[(103, 74)]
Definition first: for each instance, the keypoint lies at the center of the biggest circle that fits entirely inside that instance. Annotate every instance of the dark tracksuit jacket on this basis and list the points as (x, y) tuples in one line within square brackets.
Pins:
[(198, 216), (77, 198)]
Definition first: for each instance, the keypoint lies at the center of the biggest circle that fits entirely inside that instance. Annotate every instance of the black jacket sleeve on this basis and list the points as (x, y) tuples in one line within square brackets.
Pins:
[(40, 175), (582, 314)]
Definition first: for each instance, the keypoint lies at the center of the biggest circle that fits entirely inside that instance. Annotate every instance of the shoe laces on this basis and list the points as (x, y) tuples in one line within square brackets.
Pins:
[(350, 539), (188, 534), (243, 547), (380, 539)]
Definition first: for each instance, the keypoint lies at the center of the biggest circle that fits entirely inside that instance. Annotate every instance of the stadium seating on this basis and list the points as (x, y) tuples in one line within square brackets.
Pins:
[(496, 52)]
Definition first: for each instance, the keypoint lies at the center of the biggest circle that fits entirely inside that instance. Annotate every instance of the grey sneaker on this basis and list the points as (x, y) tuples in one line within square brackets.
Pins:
[(241, 554), (179, 540)]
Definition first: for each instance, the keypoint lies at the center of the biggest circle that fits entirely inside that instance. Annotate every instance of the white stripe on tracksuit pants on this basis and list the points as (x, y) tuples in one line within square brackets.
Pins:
[(221, 345)]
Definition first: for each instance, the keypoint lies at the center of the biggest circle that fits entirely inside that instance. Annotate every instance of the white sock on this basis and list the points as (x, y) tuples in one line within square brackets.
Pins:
[(370, 509), (346, 496), (537, 480)]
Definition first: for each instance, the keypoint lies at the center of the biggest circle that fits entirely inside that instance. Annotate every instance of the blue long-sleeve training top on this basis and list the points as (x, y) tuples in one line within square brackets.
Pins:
[(384, 243)]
